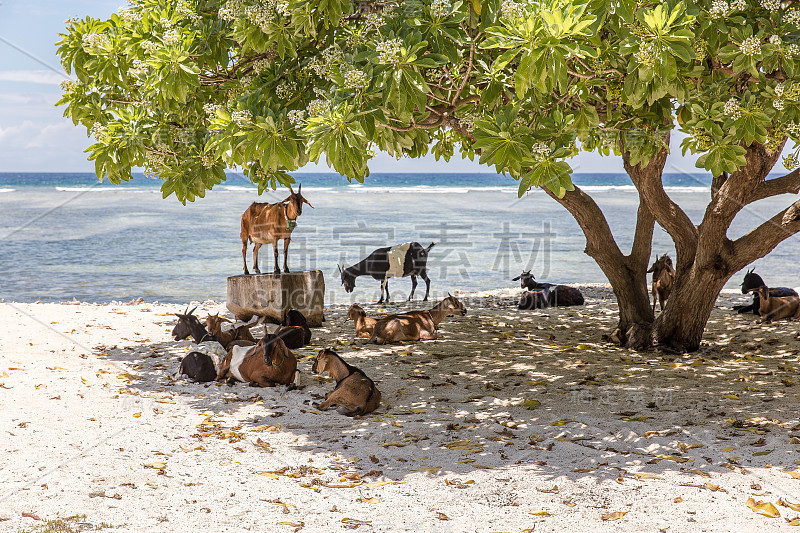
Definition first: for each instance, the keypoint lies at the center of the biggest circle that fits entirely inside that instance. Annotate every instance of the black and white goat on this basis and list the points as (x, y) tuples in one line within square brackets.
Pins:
[(407, 259), (541, 295)]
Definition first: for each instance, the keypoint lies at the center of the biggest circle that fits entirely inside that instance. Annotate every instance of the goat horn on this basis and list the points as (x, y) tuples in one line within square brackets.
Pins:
[(192, 311)]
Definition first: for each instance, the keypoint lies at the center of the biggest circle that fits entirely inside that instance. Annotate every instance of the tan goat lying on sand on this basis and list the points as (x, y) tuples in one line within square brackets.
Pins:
[(225, 338), (266, 364), (774, 307), (416, 325), (364, 324), (355, 394)]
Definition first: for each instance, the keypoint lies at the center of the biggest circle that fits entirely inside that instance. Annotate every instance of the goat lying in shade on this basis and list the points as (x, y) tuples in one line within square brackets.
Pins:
[(206, 356), (753, 281), (266, 364), (776, 307), (240, 333), (364, 325), (415, 325), (294, 330), (355, 394), (541, 295)]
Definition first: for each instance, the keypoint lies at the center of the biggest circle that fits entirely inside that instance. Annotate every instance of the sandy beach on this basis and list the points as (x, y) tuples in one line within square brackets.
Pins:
[(511, 421)]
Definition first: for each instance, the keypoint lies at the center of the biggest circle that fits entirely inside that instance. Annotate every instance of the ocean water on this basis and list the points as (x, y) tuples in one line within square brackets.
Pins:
[(65, 236)]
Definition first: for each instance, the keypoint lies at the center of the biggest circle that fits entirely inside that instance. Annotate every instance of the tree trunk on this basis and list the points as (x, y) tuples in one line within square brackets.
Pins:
[(635, 327), (680, 326)]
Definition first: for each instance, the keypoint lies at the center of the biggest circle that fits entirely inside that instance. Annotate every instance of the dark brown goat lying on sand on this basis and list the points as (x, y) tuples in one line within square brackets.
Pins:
[(355, 394), (775, 307), (416, 325), (364, 324), (294, 330), (266, 364)]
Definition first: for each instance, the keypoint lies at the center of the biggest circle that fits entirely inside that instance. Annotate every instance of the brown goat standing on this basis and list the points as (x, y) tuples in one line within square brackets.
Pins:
[(775, 307), (416, 325), (663, 279), (265, 223), (355, 394), (225, 338), (266, 364), (364, 324)]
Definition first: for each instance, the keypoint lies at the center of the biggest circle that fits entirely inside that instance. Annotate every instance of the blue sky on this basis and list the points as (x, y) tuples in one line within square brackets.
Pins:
[(35, 137)]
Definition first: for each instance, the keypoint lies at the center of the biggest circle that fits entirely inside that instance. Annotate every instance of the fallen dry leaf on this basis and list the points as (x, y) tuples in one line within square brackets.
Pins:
[(763, 508), (539, 513), (616, 515)]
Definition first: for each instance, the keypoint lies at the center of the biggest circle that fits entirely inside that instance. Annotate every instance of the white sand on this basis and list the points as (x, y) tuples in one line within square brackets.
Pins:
[(87, 402)]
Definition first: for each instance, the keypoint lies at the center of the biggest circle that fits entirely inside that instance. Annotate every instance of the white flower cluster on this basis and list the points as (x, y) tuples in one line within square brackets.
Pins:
[(185, 9), (332, 56), (246, 81), (355, 79), (512, 10), (317, 67), (541, 151), (468, 121), (261, 15), (207, 159), (138, 68), (95, 40), (719, 8), (793, 50), (440, 8), (355, 40), (794, 130), (172, 37), (792, 17), (779, 89), (318, 107), (150, 46), (242, 118), (389, 51), (774, 39), (211, 109), (296, 117), (732, 109), (791, 162), (739, 5), (285, 89), (167, 23), (648, 54), (98, 131), (68, 86), (261, 65), (373, 20), (129, 16), (771, 5), (751, 46), (778, 104)]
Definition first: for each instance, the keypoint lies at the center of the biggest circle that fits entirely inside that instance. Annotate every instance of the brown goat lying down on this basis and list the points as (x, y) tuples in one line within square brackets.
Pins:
[(294, 330), (355, 394), (266, 364), (774, 307), (225, 338), (416, 325), (364, 324)]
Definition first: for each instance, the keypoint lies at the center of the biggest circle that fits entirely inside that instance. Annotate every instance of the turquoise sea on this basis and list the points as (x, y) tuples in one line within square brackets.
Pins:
[(65, 236)]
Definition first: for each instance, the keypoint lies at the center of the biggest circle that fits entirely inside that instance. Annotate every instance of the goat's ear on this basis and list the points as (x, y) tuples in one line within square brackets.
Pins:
[(307, 202), (652, 268), (517, 278)]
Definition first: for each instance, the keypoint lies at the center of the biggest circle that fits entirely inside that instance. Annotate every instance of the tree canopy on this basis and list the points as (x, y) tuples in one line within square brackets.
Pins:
[(189, 88)]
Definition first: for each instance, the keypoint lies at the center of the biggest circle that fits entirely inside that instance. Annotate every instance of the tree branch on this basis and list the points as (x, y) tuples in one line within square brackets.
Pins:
[(790, 183), (764, 238), (667, 213)]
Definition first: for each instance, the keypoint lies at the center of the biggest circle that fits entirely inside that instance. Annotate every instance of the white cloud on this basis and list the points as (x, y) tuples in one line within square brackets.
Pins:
[(47, 77)]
